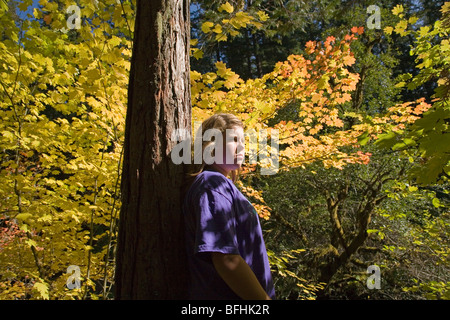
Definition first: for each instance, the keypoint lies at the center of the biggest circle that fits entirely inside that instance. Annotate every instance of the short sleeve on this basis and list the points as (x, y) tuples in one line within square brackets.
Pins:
[(216, 224)]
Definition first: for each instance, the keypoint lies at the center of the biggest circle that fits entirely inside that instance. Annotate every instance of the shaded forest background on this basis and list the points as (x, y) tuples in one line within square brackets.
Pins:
[(364, 156)]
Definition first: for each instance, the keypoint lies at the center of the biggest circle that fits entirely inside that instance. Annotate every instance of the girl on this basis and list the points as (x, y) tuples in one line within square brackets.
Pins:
[(226, 251)]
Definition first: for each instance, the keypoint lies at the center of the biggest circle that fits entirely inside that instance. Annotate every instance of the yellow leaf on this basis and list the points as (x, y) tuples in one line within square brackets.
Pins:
[(226, 7), (349, 60), (263, 16), (388, 30), (37, 13), (8, 135), (397, 9), (23, 216), (315, 97), (232, 81), (233, 33), (258, 25), (323, 82), (195, 75), (31, 243), (42, 288), (206, 26), (413, 20), (217, 28), (209, 77), (221, 37), (93, 74), (115, 41), (221, 68), (240, 21), (400, 28), (197, 53)]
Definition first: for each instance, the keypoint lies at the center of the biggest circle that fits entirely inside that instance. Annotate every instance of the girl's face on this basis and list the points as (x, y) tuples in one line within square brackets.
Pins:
[(233, 149)]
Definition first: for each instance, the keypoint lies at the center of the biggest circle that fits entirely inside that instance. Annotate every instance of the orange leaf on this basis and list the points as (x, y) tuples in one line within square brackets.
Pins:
[(359, 30), (310, 46), (349, 60), (48, 18)]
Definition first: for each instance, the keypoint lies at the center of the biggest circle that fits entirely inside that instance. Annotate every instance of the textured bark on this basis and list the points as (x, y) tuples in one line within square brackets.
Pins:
[(150, 262)]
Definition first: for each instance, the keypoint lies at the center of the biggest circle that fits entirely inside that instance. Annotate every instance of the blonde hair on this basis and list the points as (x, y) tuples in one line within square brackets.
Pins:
[(221, 122)]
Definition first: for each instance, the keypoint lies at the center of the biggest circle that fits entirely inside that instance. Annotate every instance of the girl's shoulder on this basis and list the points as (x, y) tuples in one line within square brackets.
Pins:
[(215, 181)]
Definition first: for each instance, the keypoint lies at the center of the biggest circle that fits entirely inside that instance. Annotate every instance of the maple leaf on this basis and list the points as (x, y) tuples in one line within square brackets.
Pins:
[(217, 28), (206, 26), (349, 60), (310, 46), (388, 30), (397, 10), (232, 81), (359, 30), (42, 288), (263, 16), (226, 7), (349, 37), (48, 19)]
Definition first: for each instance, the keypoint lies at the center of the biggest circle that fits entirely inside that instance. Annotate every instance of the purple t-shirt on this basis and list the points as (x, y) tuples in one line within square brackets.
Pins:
[(219, 218)]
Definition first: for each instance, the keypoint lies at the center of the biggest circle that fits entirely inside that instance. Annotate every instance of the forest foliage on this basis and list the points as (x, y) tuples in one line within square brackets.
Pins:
[(362, 117)]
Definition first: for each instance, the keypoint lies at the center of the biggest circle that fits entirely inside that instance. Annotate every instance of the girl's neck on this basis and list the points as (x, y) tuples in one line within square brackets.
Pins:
[(218, 169)]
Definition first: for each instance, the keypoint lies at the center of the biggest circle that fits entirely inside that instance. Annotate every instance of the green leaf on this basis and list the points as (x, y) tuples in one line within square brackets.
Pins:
[(428, 172), (364, 138), (23, 6), (436, 203), (3, 5), (404, 144), (386, 140)]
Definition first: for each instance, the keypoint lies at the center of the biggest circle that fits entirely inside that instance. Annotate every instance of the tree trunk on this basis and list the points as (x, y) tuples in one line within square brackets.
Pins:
[(350, 243), (150, 262)]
